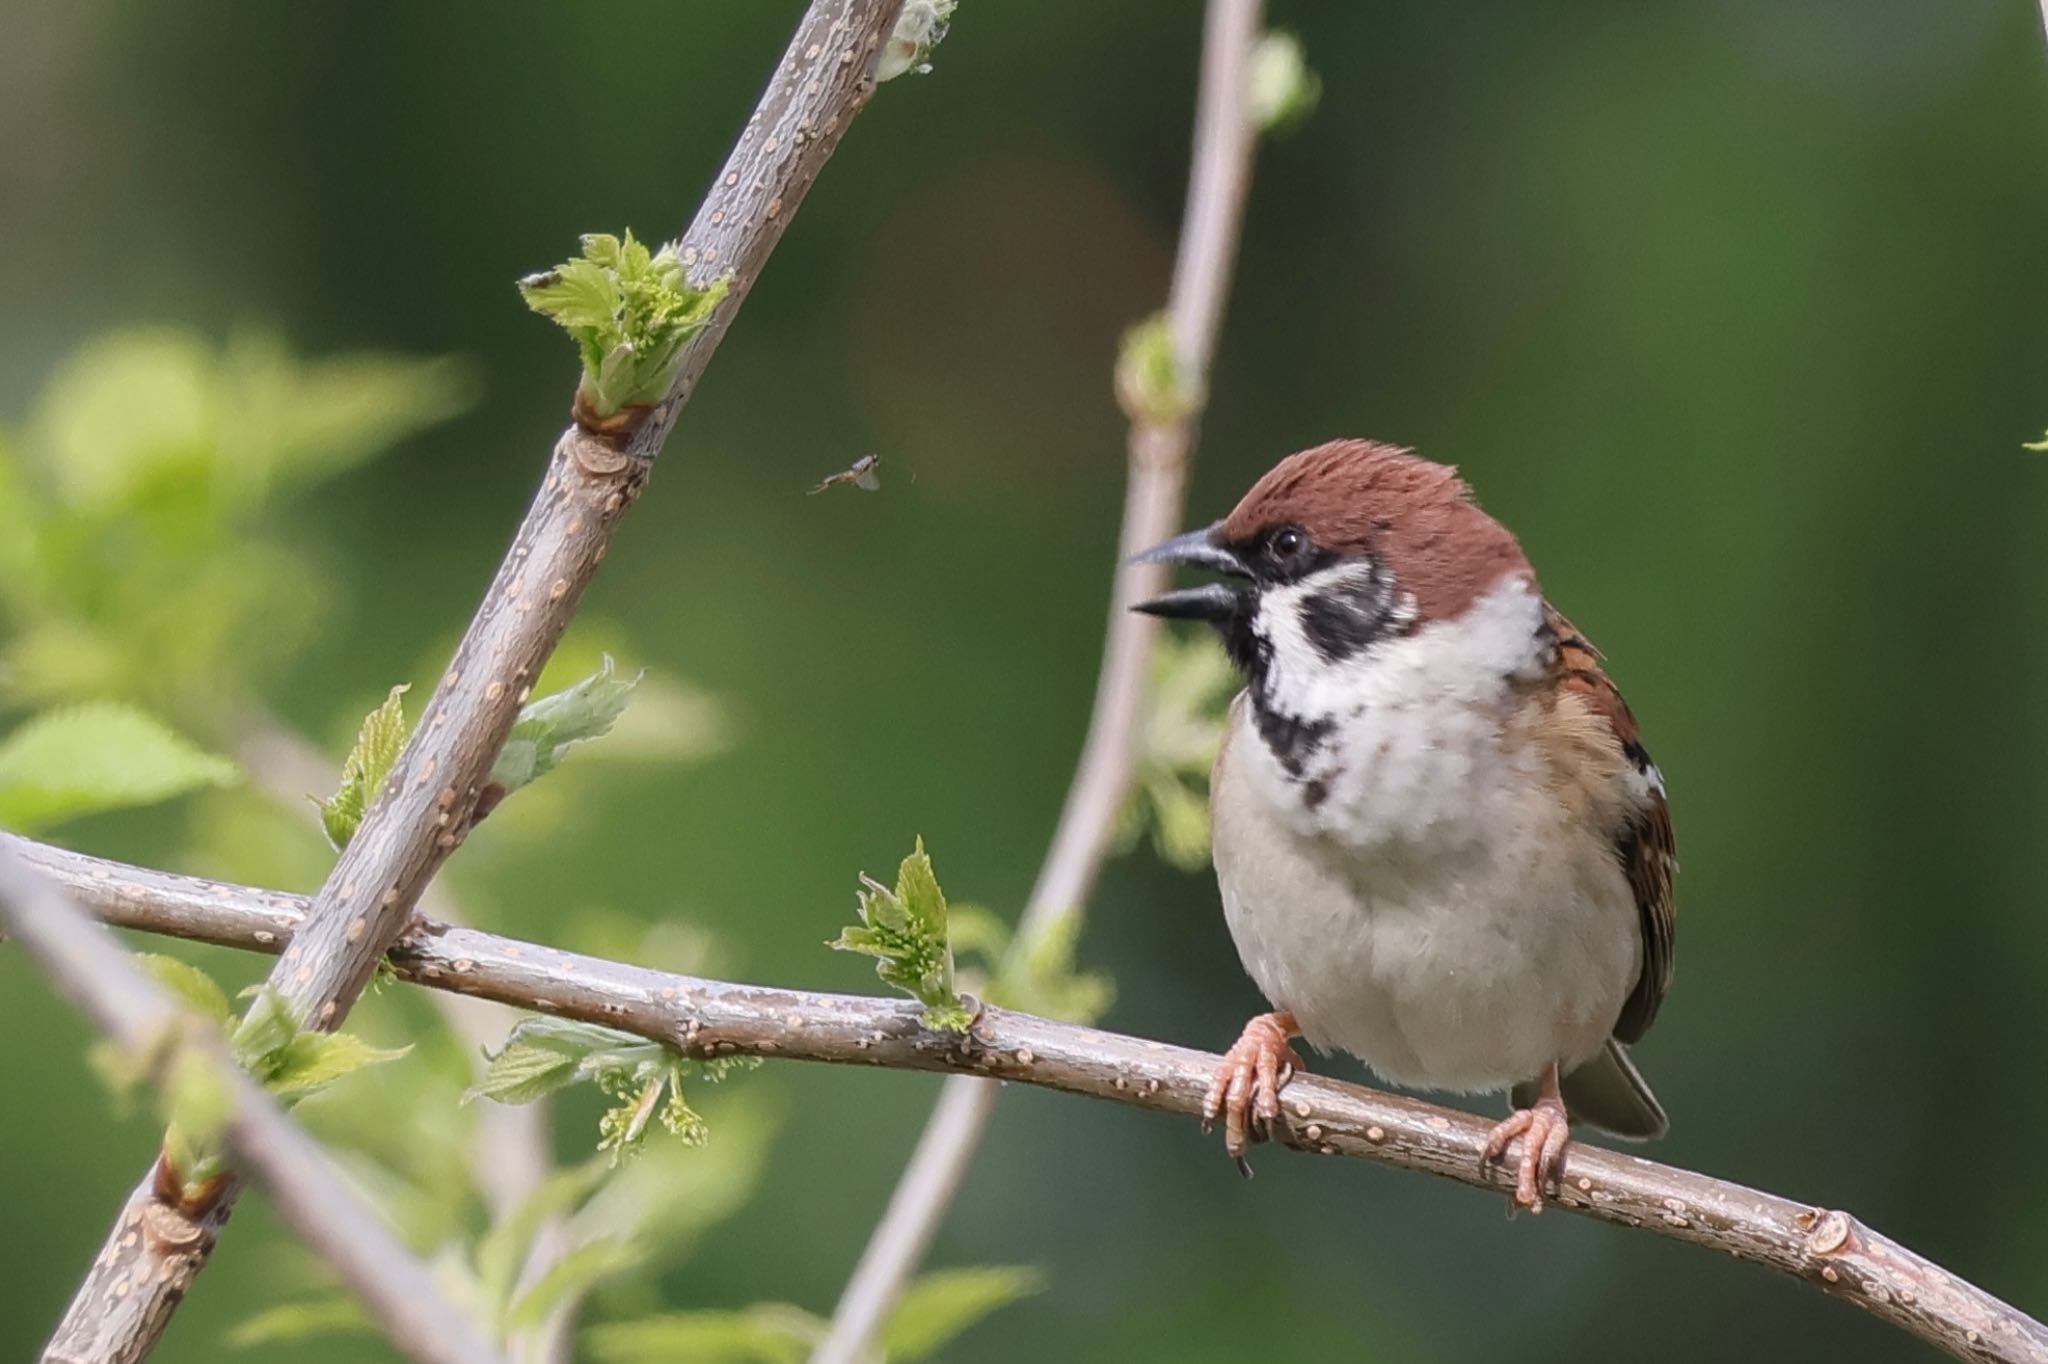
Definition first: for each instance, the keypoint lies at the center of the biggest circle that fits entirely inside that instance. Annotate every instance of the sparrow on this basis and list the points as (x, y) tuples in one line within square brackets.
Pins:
[(1440, 842)]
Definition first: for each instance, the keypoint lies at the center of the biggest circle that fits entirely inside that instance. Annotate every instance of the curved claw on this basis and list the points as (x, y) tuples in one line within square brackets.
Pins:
[(1544, 1132), (1245, 1092)]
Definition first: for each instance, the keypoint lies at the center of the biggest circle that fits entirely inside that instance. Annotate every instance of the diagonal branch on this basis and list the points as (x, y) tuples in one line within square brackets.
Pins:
[(440, 785), (1159, 450), (86, 964), (1827, 1248)]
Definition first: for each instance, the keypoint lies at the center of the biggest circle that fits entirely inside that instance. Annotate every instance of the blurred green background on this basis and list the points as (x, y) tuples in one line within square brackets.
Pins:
[(1735, 310)]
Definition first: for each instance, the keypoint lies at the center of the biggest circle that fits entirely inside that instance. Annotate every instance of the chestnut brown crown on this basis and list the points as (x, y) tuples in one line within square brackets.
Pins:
[(1356, 497)]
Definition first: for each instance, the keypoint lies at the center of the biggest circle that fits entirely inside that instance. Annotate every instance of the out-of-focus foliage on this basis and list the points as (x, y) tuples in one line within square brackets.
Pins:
[(97, 756), (935, 1309), (1034, 972), (138, 506), (1284, 91), (1179, 734)]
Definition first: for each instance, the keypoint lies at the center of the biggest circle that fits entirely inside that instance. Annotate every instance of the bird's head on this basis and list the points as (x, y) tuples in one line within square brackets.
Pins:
[(1338, 547)]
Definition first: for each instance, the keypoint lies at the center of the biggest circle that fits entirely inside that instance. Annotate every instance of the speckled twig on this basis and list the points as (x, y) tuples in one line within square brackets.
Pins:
[(87, 966), (440, 784), (1825, 1247)]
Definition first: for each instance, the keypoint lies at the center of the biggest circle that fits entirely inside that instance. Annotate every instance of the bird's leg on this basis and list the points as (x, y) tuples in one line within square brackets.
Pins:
[(1541, 1126), (1246, 1090)]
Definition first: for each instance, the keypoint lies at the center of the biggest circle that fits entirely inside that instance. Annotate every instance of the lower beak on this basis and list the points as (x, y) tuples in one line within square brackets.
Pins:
[(1216, 602)]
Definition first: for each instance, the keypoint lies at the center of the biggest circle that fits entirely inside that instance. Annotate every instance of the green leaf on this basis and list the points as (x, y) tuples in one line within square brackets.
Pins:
[(314, 1060), (99, 756), (368, 763), (543, 1055), (905, 931), (576, 1273), (502, 1250), (940, 1305), (2041, 444), (196, 1107), (630, 312), (190, 984), (261, 1040), (1281, 91), (293, 1323), (772, 1333), (548, 727)]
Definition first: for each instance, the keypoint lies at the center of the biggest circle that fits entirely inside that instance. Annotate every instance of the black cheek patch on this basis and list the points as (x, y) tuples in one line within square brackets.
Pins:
[(1339, 624)]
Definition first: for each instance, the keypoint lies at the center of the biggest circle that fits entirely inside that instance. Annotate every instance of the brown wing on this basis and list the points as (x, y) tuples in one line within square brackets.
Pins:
[(1645, 844)]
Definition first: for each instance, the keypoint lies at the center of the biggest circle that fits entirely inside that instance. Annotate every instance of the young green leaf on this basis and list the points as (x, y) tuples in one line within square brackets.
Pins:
[(265, 1033), (546, 1054), (548, 727), (190, 984), (313, 1060), (938, 1306), (576, 1273), (905, 931), (503, 1249), (196, 1105), (377, 744), (629, 311), (294, 1323), (769, 1333), (99, 756)]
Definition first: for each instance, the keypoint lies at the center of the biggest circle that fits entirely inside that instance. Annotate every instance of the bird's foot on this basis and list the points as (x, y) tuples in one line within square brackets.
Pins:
[(1246, 1091), (1544, 1134)]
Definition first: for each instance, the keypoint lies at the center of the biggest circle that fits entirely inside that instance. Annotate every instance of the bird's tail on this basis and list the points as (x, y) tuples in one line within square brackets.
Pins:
[(1609, 1093)]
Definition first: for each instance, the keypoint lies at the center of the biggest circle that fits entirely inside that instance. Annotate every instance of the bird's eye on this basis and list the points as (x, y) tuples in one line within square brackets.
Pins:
[(1287, 544)]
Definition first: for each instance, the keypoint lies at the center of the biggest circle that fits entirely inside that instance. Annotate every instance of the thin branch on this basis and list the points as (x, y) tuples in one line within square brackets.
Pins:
[(90, 968), (1826, 1248), (438, 787), (513, 1143), (1155, 493)]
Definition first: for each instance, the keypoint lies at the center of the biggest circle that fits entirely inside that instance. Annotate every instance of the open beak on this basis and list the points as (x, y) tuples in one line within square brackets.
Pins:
[(1216, 602)]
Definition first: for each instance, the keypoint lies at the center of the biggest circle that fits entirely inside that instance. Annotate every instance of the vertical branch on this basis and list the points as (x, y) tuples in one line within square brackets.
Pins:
[(88, 966), (1158, 453), (437, 789)]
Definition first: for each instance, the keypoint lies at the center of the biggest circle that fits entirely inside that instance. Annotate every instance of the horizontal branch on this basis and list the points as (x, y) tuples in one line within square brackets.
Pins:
[(89, 967), (1827, 1248)]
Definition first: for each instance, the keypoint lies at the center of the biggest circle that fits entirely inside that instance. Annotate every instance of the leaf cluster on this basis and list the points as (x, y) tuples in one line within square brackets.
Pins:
[(904, 929), (544, 1055), (629, 311)]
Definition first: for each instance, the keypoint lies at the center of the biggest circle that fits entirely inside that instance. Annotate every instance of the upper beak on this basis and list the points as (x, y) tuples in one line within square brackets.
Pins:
[(1211, 601)]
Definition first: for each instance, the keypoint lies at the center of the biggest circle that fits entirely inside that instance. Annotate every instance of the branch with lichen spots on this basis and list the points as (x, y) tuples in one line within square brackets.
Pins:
[(1827, 1248)]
